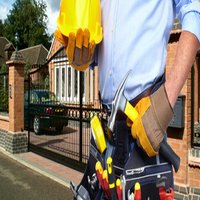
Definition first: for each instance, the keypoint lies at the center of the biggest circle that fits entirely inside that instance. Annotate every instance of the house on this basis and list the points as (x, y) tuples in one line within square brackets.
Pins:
[(65, 81), (35, 59), (35, 56)]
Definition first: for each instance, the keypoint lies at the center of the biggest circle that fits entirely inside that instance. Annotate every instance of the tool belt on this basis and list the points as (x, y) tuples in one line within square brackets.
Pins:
[(145, 93), (129, 164)]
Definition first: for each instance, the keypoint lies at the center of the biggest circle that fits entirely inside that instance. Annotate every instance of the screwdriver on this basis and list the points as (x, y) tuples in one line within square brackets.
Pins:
[(105, 183), (119, 189), (137, 191), (99, 172), (111, 178)]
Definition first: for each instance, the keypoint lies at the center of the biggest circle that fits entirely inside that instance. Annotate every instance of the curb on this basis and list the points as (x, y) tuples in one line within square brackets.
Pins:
[(50, 175)]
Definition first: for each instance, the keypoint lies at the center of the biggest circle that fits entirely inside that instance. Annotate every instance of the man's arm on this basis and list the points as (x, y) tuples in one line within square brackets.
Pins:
[(185, 56), (155, 111)]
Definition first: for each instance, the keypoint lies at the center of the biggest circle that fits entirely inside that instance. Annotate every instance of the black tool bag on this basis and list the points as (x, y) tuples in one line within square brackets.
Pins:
[(130, 162)]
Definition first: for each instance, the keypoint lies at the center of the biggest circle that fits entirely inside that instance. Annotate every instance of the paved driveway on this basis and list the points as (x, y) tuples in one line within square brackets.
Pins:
[(18, 182)]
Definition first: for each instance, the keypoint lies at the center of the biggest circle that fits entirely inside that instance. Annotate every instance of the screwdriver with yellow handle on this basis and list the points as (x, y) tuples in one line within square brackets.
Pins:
[(98, 133), (111, 178)]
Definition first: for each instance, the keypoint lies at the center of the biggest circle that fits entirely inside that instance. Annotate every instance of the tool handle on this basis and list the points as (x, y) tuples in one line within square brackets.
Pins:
[(168, 153), (131, 112), (111, 178), (99, 172), (119, 189)]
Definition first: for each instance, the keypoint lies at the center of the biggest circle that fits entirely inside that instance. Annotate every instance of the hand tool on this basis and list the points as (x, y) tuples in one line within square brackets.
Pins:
[(105, 183), (137, 191), (80, 193), (165, 192), (99, 172), (120, 103), (92, 181), (123, 181), (130, 195), (119, 189), (111, 178), (98, 134)]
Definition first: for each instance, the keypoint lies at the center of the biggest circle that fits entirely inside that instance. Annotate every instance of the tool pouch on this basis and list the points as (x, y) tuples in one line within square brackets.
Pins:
[(130, 161), (140, 168), (89, 180)]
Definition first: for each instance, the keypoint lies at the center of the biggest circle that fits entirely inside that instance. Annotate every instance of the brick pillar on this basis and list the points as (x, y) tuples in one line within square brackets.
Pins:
[(16, 138)]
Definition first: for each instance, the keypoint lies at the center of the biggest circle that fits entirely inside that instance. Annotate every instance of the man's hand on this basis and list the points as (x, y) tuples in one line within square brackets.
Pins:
[(79, 49), (155, 113)]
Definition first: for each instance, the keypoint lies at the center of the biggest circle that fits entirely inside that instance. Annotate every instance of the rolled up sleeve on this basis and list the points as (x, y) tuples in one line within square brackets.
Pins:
[(188, 12)]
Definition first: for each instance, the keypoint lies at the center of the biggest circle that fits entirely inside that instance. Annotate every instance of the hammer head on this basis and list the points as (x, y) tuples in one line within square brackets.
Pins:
[(118, 103)]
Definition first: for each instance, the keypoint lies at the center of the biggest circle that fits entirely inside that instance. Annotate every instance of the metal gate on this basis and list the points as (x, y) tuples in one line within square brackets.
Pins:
[(4, 92), (68, 145)]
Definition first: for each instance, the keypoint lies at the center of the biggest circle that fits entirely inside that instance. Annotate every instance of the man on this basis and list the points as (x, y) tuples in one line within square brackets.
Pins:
[(136, 35)]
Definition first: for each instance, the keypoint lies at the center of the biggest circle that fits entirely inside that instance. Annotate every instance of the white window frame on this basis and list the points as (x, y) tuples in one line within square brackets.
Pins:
[(66, 98)]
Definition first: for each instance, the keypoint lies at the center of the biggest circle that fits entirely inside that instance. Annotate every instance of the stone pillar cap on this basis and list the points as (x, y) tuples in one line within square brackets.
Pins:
[(16, 58)]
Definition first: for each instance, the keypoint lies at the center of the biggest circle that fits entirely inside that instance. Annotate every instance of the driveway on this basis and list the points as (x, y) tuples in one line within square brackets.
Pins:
[(21, 183)]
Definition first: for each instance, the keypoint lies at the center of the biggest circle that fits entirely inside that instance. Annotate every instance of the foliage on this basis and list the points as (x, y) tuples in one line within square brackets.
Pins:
[(27, 68), (1, 28), (27, 18), (4, 69), (3, 91)]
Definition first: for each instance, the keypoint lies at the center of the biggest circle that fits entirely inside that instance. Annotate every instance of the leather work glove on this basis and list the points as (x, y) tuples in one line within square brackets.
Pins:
[(61, 38), (79, 49), (155, 113)]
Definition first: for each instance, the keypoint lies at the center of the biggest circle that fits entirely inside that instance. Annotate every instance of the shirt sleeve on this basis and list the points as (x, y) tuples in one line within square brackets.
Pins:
[(188, 12)]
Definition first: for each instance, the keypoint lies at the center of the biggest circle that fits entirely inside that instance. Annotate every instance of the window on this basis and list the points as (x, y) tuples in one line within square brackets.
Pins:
[(67, 82), (57, 77), (63, 83)]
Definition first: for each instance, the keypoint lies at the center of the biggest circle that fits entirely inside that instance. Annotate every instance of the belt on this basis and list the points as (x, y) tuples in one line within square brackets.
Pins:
[(121, 116)]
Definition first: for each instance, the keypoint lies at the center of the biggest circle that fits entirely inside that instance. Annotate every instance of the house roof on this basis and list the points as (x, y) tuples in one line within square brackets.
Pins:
[(57, 50), (3, 43), (35, 55), (9, 46)]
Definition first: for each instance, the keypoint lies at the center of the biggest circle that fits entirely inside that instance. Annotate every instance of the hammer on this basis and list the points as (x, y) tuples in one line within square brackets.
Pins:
[(120, 103)]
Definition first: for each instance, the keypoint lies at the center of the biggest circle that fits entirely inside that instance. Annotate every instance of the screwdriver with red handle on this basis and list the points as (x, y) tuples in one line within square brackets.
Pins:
[(119, 189), (99, 172), (105, 183), (137, 191)]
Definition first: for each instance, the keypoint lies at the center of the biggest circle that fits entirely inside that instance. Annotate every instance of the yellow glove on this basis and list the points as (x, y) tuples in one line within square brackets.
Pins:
[(79, 49), (61, 38), (155, 113)]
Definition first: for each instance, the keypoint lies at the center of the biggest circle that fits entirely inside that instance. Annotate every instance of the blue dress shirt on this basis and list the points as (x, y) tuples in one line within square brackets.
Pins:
[(136, 34)]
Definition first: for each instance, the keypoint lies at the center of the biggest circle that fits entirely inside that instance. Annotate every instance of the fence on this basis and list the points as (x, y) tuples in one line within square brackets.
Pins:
[(75, 91), (4, 92)]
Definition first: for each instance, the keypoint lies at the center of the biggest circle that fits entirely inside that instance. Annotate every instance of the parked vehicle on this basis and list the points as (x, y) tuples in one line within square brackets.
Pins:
[(44, 111)]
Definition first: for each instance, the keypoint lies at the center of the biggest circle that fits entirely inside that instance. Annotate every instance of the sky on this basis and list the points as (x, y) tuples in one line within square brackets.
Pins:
[(52, 12)]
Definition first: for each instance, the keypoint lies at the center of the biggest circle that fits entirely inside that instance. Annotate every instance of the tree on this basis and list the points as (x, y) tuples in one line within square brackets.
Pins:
[(27, 18), (1, 28)]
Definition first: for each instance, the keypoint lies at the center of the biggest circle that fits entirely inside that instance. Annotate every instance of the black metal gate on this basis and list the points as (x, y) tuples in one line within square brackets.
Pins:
[(4, 92), (70, 145)]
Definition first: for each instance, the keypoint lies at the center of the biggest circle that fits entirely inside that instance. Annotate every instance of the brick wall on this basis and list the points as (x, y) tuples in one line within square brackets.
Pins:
[(4, 122)]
